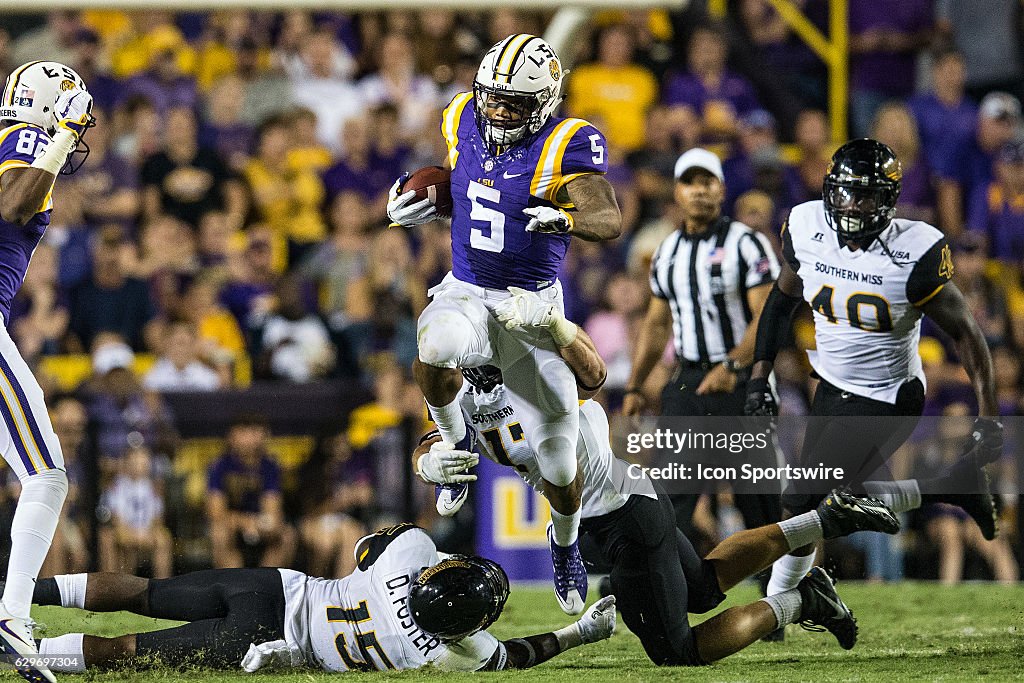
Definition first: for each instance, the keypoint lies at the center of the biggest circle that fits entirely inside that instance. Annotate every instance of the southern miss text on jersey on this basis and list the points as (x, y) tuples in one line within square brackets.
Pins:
[(362, 622), (490, 246), (20, 144), (501, 439), (867, 323)]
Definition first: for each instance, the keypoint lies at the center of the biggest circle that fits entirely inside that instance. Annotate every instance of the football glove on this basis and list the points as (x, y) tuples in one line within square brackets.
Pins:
[(527, 310), (598, 622), (986, 440), (760, 400), (73, 111), (443, 464), (271, 654), (547, 220), (404, 210)]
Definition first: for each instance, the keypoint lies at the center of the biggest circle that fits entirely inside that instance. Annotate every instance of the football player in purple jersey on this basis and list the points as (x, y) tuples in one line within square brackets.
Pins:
[(44, 113), (523, 183)]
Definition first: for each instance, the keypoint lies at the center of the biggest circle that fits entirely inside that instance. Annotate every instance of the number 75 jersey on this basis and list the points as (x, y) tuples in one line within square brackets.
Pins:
[(490, 245), (867, 320)]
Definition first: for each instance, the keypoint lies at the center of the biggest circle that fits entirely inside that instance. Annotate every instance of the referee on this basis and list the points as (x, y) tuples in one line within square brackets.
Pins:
[(710, 279)]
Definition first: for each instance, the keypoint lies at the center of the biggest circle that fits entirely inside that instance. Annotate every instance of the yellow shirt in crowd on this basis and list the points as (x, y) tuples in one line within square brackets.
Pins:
[(615, 99)]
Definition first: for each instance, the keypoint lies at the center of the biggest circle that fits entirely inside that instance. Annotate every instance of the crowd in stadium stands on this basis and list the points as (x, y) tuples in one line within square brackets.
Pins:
[(229, 228)]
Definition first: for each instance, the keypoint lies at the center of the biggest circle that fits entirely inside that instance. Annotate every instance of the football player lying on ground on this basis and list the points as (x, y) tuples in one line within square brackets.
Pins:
[(656, 575), (406, 605)]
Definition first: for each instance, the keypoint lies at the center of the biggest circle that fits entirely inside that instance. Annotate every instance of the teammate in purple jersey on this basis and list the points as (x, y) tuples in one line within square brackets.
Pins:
[(523, 183), (44, 113)]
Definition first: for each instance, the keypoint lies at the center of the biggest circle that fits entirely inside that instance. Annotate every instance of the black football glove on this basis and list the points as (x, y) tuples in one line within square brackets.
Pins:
[(760, 399), (986, 440)]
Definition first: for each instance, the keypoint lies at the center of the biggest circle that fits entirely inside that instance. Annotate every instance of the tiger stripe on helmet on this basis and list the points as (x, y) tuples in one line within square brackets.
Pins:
[(13, 80), (508, 56)]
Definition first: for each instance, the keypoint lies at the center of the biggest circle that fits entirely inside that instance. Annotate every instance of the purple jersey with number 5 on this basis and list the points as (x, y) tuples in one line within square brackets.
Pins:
[(20, 144), (490, 245)]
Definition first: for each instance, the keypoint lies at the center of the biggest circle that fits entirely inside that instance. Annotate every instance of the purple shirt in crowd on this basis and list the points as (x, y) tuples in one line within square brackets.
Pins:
[(242, 483), (937, 122), (685, 88), (890, 73), (1001, 219), (181, 92), (966, 163)]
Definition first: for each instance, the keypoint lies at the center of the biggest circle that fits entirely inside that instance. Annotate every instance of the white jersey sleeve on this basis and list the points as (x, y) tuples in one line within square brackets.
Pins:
[(469, 654)]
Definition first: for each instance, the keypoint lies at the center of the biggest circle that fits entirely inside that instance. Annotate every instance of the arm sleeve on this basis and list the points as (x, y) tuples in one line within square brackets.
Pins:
[(451, 120), (931, 273), (761, 265), (469, 654)]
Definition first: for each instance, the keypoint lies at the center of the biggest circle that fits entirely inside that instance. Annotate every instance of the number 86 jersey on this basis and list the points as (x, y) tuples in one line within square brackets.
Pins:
[(867, 320), (490, 245)]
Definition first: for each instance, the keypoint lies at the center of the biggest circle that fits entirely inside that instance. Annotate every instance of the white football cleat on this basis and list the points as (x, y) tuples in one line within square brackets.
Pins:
[(19, 648)]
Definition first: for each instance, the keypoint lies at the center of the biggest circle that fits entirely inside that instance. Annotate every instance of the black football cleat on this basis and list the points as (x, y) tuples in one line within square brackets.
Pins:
[(842, 513), (968, 475), (823, 610)]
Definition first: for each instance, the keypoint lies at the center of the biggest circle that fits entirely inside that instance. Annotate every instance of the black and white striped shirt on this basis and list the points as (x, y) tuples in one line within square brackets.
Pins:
[(705, 279)]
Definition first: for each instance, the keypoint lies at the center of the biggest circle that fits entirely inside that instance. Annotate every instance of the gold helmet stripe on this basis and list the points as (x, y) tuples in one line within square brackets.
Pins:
[(509, 54)]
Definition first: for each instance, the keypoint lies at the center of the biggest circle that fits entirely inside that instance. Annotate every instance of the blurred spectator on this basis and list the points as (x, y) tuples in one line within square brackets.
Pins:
[(178, 368), (306, 152), (756, 162), (318, 83), (250, 289), (813, 141), (395, 81), (756, 210), (223, 129), (293, 343), (286, 199), (341, 259), (357, 169), (140, 131), (39, 313), (150, 36), (110, 301), (166, 255), (984, 295), (222, 34), (612, 327), (442, 40), (1001, 218), (215, 239), (382, 306), (778, 50), (944, 112), (965, 167), (1006, 366), (884, 41), (390, 151), (338, 498), (895, 126), (267, 92), (121, 414), (137, 533), (90, 62), (716, 94), (108, 182), (614, 89), (70, 550), (244, 506), (164, 83), (988, 34), (186, 180), (53, 41), (221, 343)]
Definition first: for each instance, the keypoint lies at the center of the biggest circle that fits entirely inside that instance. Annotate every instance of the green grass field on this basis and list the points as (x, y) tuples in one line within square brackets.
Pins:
[(909, 632)]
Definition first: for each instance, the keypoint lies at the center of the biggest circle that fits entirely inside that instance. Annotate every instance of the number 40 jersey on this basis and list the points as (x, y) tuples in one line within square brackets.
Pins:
[(867, 320), (490, 245)]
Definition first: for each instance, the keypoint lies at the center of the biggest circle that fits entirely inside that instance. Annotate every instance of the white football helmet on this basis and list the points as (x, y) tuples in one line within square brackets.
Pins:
[(523, 73), (31, 91)]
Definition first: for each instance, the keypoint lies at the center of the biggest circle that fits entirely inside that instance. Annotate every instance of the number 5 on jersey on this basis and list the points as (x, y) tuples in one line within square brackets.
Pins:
[(495, 239)]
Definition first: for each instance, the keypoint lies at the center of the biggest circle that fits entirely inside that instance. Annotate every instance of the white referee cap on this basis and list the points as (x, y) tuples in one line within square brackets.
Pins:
[(699, 158)]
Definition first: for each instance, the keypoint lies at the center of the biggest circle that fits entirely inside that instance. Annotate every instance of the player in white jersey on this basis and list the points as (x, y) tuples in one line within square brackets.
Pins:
[(656, 575), (44, 114), (869, 278), (406, 605)]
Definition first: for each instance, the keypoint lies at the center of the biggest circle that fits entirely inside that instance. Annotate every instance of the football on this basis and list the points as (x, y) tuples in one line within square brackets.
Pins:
[(433, 183)]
